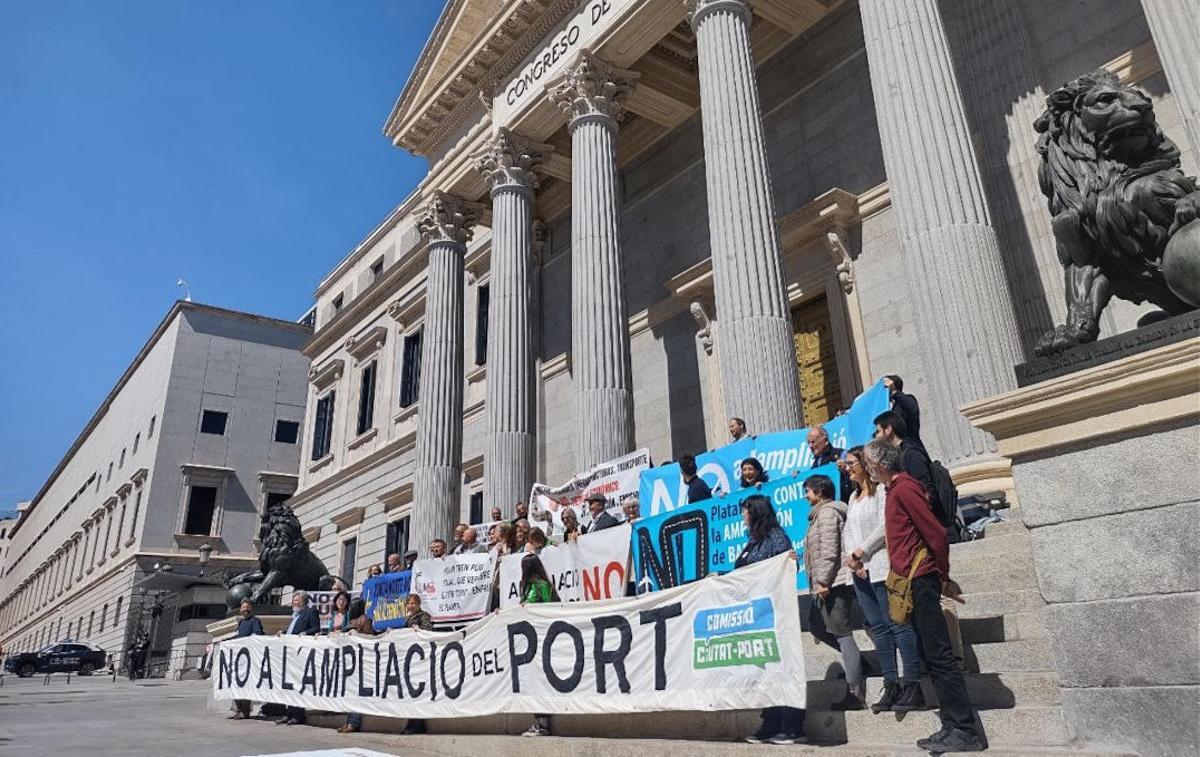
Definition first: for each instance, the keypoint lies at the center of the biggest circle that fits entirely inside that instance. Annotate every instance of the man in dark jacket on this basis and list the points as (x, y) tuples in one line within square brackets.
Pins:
[(306, 621), (890, 428), (249, 625), (905, 405), (697, 490), (824, 453), (601, 518), (917, 546)]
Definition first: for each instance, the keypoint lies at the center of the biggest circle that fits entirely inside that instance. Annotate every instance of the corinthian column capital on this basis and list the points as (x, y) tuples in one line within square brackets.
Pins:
[(509, 161), (448, 218), (591, 89), (697, 10)]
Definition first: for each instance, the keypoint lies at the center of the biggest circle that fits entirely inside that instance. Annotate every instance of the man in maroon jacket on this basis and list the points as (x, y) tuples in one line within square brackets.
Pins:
[(910, 524)]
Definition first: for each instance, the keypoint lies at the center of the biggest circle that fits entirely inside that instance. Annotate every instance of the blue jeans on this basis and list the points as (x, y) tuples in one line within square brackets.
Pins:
[(354, 719), (888, 635)]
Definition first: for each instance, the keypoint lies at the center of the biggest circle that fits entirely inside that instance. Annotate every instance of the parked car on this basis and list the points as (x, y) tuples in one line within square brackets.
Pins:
[(63, 657)]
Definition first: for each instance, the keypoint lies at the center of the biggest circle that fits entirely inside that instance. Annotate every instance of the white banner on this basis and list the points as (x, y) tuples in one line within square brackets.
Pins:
[(617, 480), (725, 643), (456, 588), (591, 567)]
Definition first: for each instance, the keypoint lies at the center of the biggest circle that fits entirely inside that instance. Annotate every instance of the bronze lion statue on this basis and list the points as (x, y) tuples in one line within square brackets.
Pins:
[(1117, 197), (285, 560)]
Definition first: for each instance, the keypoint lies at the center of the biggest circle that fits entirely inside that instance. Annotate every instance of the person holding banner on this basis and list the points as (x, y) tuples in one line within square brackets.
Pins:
[(360, 624), (832, 596), (697, 489), (570, 525), (866, 554), (752, 473), (601, 518), (536, 588), (340, 617), (305, 622), (780, 725), (249, 625)]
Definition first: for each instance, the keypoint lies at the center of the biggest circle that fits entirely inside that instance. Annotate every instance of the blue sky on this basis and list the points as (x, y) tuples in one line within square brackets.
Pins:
[(235, 144)]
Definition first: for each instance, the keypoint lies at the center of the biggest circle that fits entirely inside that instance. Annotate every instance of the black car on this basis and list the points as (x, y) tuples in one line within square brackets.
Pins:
[(63, 657)]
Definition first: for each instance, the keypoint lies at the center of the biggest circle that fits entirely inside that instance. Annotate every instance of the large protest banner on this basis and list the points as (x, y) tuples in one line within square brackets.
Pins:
[(456, 588), (706, 537), (732, 642), (384, 597), (591, 567), (616, 479), (784, 453)]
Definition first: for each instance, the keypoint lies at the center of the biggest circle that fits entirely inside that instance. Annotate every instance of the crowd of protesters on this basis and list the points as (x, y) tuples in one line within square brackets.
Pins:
[(875, 530)]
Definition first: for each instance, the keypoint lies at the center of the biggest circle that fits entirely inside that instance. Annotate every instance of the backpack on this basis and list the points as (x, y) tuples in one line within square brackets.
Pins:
[(945, 500)]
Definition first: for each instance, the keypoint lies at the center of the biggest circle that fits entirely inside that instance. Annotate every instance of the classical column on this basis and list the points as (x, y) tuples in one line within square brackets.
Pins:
[(589, 93), (1175, 28), (510, 455), (446, 223), (758, 354), (951, 255)]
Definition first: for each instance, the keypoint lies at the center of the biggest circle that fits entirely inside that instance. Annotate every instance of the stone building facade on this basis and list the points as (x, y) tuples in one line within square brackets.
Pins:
[(194, 439), (643, 217)]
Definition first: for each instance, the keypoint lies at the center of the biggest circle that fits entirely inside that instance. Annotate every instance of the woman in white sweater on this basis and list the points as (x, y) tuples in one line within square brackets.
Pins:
[(866, 554)]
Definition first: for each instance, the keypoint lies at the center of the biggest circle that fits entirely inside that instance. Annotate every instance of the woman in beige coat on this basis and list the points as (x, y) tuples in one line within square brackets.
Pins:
[(830, 587)]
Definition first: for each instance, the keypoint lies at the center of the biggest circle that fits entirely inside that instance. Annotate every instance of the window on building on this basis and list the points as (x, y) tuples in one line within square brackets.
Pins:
[(70, 625), (153, 420), (349, 555), (410, 373), (366, 397), (117, 612), (109, 476), (137, 505), (338, 302), (213, 422), (97, 483), (274, 498), (323, 426), (201, 504), (376, 270), (137, 438), (103, 616), (121, 464), (91, 622), (287, 432), (482, 301), (476, 510), (211, 611), (397, 538)]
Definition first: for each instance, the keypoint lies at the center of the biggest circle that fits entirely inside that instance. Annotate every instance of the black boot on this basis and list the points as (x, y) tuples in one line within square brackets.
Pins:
[(891, 692), (911, 698)]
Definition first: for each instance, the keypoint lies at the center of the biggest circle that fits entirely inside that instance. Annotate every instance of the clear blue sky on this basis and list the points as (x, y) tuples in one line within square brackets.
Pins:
[(235, 144)]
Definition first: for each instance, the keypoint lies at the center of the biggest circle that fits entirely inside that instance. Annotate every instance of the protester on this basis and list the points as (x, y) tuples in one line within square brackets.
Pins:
[(340, 620), (437, 548), (865, 545), (536, 542), (780, 725), (502, 538), (375, 570), (414, 616), (697, 489), (632, 507), (359, 623), (496, 515), (410, 557), (737, 428), (891, 428), (570, 525), (520, 534), (249, 625), (829, 615), (470, 544), (137, 656), (919, 549), (825, 453), (305, 622), (536, 588), (905, 406), (522, 511), (393, 563), (459, 530), (752, 473), (601, 518)]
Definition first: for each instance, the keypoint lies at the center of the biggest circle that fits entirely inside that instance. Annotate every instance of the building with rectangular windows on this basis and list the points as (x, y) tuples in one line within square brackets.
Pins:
[(197, 436)]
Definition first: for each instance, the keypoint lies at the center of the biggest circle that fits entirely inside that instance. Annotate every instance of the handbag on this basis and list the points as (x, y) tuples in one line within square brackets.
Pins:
[(899, 589)]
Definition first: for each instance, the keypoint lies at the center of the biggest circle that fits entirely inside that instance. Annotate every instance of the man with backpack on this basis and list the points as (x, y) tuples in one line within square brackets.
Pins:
[(932, 475)]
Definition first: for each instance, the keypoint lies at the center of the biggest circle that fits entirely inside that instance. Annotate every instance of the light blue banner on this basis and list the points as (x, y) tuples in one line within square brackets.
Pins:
[(782, 454), (695, 540)]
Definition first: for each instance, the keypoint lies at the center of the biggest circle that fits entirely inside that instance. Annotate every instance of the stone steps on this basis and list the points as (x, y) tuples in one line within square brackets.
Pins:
[(989, 691), (1019, 726), (1002, 657)]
